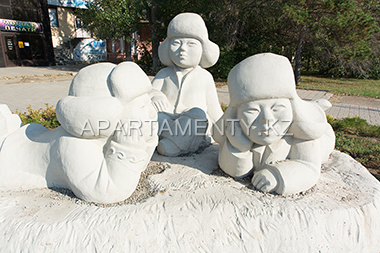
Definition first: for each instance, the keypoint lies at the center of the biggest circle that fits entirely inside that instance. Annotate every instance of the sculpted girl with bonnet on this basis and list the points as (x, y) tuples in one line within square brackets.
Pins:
[(184, 93), (268, 130)]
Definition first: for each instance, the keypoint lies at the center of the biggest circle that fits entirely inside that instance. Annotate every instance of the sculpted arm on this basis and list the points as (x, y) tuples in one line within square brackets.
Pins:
[(298, 173), (108, 171), (235, 157), (213, 107), (159, 99), (106, 176)]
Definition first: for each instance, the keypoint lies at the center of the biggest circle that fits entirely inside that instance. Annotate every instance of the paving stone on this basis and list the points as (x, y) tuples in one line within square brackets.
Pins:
[(19, 96)]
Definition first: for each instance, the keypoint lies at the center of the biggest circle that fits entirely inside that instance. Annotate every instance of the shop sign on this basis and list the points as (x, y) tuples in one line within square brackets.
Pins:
[(20, 26), (90, 50), (69, 3)]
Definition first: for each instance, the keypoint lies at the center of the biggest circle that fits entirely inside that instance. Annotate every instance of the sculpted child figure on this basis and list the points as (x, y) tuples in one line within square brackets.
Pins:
[(184, 93), (105, 140), (269, 131)]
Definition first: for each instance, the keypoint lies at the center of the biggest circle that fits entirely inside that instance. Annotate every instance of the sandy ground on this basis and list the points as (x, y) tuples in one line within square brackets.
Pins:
[(38, 78)]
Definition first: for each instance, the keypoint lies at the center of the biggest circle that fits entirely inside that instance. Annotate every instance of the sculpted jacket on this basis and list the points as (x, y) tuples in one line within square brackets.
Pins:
[(296, 162), (195, 89)]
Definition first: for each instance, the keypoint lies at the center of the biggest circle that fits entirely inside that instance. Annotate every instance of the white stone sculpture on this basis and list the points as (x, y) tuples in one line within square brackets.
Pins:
[(184, 93), (106, 139), (269, 130), (198, 210)]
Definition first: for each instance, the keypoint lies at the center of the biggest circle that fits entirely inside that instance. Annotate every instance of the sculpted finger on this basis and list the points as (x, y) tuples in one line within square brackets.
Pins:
[(155, 105), (162, 106), (255, 180), (266, 188), (261, 184)]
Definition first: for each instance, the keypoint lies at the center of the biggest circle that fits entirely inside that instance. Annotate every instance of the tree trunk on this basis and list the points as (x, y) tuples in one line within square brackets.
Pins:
[(47, 41), (128, 51), (298, 57), (153, 33)]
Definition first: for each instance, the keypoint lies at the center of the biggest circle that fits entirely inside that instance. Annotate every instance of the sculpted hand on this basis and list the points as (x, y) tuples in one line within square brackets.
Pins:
[(265, 180), (130, 137), (236, 136), (161, 103)]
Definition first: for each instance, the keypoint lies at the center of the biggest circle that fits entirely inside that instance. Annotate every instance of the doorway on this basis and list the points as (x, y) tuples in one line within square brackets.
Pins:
[(23, 49), (10, 50)]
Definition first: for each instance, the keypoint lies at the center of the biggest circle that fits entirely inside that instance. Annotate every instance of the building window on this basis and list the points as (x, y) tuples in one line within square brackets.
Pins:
[(53, 17), (78, 23)]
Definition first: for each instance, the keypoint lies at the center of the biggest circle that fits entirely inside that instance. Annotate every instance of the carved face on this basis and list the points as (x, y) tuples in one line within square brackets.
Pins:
[(265, 121), (185, 52)]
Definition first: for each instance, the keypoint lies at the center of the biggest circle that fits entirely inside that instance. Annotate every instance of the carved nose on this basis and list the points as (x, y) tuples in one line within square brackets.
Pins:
[(266, 117), (182, 48)]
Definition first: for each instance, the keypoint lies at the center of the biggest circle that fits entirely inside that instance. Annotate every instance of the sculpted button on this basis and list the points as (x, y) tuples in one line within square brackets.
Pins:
[(112, 151), (121, 155)]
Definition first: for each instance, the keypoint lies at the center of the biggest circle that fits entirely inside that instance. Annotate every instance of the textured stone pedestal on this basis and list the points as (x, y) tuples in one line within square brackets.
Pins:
[(198, 209)]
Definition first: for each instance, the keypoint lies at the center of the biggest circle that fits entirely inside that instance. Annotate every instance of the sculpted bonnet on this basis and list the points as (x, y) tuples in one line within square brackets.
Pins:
[(189, 25)]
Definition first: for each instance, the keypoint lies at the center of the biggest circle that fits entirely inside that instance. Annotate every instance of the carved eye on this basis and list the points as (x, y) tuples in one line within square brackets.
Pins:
[(277, 108), (176, 43), (252, 111), (192, 44)]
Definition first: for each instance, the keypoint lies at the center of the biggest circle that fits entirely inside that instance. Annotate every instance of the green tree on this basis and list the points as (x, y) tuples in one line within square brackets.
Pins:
[(110, 19), (338, 31)]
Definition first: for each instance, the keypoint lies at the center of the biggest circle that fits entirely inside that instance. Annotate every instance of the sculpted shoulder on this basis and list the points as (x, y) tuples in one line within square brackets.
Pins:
[(204, 75), (163, 73)]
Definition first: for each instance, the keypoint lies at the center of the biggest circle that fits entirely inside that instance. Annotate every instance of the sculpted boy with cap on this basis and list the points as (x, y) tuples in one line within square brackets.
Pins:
[(184, 94), (269, 131), (90, 153)]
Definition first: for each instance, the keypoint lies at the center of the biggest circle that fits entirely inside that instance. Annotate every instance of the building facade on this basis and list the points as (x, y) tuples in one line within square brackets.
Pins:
[(72, 43), (25, 38), (47, 32)]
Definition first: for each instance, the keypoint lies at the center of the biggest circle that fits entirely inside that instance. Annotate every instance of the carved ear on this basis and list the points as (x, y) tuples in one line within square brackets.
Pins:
[(309, 120), (163, 53), (210, 54), (128, 81)]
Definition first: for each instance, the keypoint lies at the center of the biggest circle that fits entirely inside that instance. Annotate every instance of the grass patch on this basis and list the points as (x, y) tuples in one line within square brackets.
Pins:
[(354, 136), (344, 86)]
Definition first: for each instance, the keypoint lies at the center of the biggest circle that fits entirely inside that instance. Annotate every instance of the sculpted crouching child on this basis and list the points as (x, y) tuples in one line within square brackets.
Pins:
[(270, 131), (184, 94), (106, 138)]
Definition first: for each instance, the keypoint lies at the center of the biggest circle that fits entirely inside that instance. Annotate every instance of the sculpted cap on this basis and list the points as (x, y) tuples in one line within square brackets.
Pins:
[(267, 76), (189, 25), (261, 76)]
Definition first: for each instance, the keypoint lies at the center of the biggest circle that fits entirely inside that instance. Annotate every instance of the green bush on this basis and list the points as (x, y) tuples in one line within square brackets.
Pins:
[(46, 117), (227, 60)]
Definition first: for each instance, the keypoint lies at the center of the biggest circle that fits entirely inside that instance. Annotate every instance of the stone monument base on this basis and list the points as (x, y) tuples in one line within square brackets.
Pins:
[(199, 209)]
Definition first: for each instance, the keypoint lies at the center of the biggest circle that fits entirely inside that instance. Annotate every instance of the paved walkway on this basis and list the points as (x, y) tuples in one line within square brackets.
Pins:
[(20, 95), (31, 71), (340, 111)]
